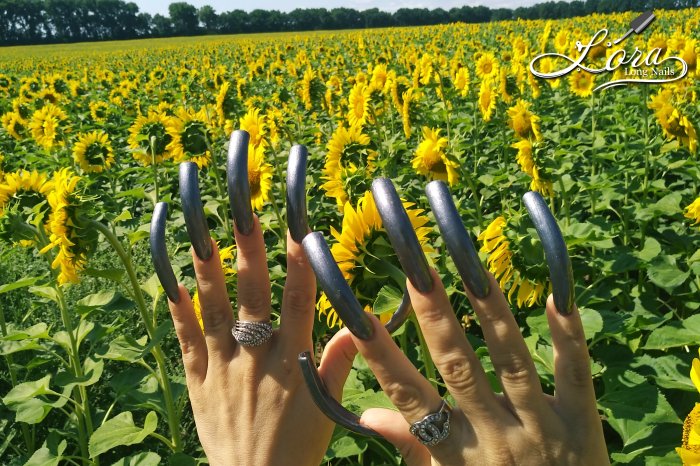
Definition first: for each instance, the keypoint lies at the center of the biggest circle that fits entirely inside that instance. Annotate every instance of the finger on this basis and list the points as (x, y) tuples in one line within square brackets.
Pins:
[(509, 354), (393, 427), (216, 309), (336, 362), (407, 389), (253, 277), (572, 370), (454, 358), (192, 343), (298, 299)]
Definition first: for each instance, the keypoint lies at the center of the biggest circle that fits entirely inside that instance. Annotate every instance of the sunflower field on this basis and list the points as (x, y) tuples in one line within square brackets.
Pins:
[(92, 135)]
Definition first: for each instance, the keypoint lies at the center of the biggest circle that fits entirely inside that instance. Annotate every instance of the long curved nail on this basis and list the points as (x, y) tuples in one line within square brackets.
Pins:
[(401, 234), (336, 288), (159, 253), (237, 178), (296, 193), (560, 272), (401, 314), (192, 207), (458, 242), (326, 403)]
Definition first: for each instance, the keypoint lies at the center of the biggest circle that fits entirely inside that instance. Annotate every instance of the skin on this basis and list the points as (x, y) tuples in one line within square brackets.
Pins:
[(251, 406)]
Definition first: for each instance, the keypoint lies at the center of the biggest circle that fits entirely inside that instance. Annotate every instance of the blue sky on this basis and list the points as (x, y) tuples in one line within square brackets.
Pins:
[(161, 6)]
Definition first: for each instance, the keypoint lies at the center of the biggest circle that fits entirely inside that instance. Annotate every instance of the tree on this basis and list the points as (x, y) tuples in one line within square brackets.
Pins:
[(208, 19), (184, 19)]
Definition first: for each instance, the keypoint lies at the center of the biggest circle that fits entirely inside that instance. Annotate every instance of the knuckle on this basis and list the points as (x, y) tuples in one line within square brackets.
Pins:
[(214, 319), (253, 299), (457, 372), (514, 371), (578, 373), (405, 397), (299, 301)]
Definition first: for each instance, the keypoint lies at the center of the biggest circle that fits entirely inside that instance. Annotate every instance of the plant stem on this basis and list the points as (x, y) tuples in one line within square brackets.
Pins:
[(427, 360), (157, 352)]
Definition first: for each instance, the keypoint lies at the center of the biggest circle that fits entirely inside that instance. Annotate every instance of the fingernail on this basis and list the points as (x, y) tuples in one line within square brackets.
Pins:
[(457, 240), (325, 402), (159, 253), (296, 193), (336, 288), (401, 234), (237, 180), (401, 314), (560, 272), (193, 210)]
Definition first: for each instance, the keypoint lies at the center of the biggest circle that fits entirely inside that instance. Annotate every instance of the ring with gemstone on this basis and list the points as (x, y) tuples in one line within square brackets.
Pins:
[(433, 428), (249, 333)]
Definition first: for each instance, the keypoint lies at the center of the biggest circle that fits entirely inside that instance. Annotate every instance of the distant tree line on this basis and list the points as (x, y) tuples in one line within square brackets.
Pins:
[(48, 21)]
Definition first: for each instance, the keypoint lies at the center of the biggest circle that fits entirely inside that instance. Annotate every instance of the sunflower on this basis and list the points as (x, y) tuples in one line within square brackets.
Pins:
[(690, 449), (501, 262), (561, 41), (191, 135), (486, 66), (14, 185), (99, 110), (523, 122), (581, 83), (409, 110), (227, 258), (254, 124), (71, 255), (312, 89), (461, 80), (364, 255), (431, 160), (5, 83), (145, 129), (689, 54), (527, 164), (14, 124), (93, 152), (259, 176), (487, 99), (693, 212), (379, 78), (358, 105), (674, 124), (226, 103), (349, 164), (46, 125)]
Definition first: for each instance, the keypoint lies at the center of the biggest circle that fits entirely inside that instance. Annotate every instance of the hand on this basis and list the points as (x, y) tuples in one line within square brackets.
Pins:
[(250, 404), (523, 426)]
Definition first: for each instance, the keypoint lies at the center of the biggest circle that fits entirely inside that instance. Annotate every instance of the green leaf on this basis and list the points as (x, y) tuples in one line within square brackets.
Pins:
[(633, 407), (592, 322), (46, 456), (21, 283), (126, 348), (27, 390), (664, 273), (63, 339), (120, 430), (18, 340), (650, 251), (675, 334), (388, 300), (125, 215), (110, 274), (345, 447), (181, 459), (46, 292), (92, 373), (668, 371), (141, 459)]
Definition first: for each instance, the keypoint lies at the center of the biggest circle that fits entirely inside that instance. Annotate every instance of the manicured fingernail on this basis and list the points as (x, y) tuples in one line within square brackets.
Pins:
[(401, 234), (193, 210), (336, 288), (326, 403), (296, 193), (238, 185), (401, 314), (560, 272), (458, 242), (159, 253)]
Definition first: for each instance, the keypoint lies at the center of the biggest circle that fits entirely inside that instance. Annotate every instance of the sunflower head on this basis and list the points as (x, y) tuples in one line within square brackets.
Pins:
[(259, 176), (365, 256), (254, 124), (93, 152), (23, 200), (431, 160), (227, 103), (523, 122), (486, 66), (149, 137), (48, 125), (692, 212), (14, 124), (516, 259), (358, 105), (191, 135), (581, 83), (487, 99), (690, 449)]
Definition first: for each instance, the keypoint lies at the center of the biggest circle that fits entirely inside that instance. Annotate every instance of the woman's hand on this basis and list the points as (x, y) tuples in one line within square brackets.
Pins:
[(250, 404), (523, 426)]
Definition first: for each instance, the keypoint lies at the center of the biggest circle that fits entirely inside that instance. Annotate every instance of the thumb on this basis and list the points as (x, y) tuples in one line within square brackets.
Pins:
[(336, 362), (393, 427)]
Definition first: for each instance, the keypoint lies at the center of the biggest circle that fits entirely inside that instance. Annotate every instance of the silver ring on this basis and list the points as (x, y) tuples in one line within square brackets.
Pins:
[(249, 333), (433, 428)]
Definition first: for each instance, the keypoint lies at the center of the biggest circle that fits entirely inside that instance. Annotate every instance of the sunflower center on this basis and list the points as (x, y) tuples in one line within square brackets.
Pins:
[(96, 154), (157, 131), (254, 181), (194, 138)]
